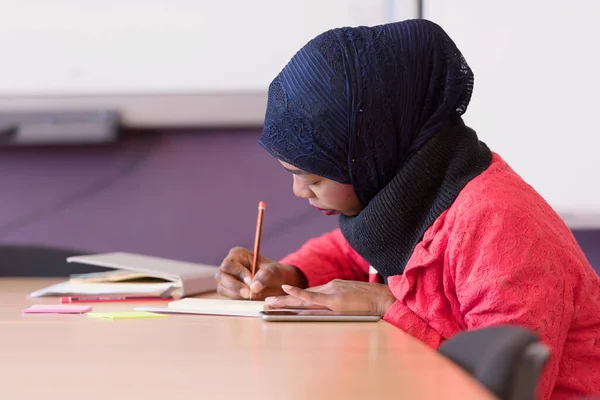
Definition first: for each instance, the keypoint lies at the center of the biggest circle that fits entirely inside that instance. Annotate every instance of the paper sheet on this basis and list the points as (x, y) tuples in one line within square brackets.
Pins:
[(239, 308), (116, 275), (56, 309), (217, 304), (70, 288)]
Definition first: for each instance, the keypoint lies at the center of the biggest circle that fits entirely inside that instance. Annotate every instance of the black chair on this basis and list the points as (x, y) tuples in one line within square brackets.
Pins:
[(507, 360), (39, 261)]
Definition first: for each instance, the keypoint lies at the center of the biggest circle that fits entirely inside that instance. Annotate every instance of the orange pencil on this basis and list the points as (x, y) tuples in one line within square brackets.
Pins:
[(259, 223)]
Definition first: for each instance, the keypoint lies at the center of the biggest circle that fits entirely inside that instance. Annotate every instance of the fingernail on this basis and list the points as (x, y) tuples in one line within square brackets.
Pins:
[(248, 281), (245, 293), (286, 287), (256, 287), (270, 300)]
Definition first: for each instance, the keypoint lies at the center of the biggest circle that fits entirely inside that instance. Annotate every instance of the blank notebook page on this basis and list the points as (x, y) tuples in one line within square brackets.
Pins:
[(219, 306)]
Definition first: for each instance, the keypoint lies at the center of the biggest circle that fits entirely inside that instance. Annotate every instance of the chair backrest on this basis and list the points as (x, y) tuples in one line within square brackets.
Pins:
[(507, 360), (529, 371)]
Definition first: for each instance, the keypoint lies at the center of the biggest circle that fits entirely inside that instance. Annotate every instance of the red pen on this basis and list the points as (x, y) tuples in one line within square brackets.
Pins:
[(98, 299)]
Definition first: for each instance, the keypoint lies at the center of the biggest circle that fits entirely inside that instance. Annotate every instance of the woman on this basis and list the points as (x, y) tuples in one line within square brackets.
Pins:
[(436, 233)]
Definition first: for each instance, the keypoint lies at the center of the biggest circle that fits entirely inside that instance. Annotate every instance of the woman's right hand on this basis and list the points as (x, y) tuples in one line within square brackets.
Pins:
[(234, 276)]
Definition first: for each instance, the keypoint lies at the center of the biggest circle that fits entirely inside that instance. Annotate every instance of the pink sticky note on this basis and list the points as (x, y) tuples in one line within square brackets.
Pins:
[(56, 309)]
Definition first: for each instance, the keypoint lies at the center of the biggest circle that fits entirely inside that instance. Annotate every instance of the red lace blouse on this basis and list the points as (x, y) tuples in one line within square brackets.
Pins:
[(499, 254)]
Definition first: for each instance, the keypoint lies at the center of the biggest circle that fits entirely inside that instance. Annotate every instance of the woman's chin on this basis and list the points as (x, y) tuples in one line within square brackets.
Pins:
[(353, 213)]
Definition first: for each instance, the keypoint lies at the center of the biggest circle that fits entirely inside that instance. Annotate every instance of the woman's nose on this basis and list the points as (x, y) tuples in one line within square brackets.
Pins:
[(301, 190)]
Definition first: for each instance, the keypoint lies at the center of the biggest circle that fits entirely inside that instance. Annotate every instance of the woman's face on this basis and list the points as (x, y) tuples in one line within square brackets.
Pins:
[(328, 196)]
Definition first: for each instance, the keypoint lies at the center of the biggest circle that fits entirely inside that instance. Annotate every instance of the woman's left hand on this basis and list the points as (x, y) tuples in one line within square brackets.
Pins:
[(338, 295)]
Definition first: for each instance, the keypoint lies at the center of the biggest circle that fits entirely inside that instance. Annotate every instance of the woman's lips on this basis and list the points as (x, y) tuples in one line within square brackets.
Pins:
[(327, 212)]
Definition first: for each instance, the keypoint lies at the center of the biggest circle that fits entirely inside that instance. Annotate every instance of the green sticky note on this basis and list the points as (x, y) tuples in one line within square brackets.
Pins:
[(125, 314)]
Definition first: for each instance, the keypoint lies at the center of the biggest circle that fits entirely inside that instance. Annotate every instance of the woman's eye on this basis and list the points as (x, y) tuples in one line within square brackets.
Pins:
[(313, 184)]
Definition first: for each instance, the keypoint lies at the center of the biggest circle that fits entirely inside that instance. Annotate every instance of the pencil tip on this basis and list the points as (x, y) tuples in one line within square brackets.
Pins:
[(262, 205)]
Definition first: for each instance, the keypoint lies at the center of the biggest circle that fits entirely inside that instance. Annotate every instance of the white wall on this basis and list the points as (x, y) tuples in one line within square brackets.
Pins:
[(536, 91)]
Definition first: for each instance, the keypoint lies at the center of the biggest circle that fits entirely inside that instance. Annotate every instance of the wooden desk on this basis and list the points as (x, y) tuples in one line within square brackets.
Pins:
[(204, 357)]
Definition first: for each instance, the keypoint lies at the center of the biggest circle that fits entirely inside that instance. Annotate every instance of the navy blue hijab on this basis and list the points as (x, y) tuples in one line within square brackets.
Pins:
[(355, 103)]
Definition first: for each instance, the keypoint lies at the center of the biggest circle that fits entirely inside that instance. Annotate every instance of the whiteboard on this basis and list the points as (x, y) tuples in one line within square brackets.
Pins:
[(175, 63), (536, 86), (108, 47)]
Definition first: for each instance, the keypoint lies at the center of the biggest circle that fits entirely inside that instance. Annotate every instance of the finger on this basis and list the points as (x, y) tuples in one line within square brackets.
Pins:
[(263, 294), (223, 291), (307, 296), (237, 270), (318, 289), (288, 302), (230, 283), (329, 288), (265, 277)]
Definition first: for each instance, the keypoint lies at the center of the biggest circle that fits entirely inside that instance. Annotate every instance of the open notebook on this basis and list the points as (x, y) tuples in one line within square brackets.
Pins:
[(135, 275), (239, 308)]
